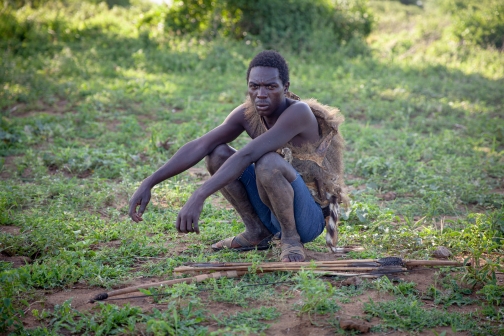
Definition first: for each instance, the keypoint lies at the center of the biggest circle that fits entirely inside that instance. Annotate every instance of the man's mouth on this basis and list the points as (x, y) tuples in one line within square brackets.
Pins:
[(262, 106)]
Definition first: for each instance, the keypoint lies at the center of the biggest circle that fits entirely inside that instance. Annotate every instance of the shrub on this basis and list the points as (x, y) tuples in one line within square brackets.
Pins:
[(479, 22), (273, 22)]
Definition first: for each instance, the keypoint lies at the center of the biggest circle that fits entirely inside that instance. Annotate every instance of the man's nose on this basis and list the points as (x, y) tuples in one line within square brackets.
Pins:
[(262, 92)]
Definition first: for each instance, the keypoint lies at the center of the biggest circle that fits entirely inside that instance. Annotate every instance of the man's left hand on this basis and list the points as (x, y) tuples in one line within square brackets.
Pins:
[(187, 219)]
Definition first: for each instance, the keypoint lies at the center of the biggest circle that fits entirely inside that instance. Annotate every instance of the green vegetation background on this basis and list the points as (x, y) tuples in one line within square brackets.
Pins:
[(94, 97)]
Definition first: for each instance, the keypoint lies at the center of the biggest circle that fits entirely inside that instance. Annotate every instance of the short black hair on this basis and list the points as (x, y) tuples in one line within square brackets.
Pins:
[(272, 59)]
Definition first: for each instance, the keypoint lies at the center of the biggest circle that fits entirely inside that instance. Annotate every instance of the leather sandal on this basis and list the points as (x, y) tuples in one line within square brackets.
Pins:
[(245, 245)]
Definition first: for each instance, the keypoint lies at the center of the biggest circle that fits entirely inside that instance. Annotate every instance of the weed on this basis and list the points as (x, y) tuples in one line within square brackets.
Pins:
[(226, 290), (177, 320), (407, 313), (108, 319), (449, 296), (247, 322), (175, 292), (494, 295), (317, 295), (402, 288)]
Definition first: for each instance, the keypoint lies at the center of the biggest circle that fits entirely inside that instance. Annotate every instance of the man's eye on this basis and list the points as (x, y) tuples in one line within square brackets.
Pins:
[(270, 87)]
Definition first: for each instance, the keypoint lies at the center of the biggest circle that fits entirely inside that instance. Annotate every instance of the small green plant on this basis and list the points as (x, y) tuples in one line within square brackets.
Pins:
[(402, 288), (174, 292), (449, 296), (247, 322), (108, 319), (408, 313), (177, 320), (317, 295), (494, 294), (226, 290), (11, 310)]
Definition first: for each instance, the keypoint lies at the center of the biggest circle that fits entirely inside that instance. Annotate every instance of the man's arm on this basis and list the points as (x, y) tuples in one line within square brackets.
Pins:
[(292, 122), (186, 157)]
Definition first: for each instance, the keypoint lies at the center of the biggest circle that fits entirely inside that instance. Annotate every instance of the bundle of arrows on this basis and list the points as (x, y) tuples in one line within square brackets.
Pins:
[(346, 268)]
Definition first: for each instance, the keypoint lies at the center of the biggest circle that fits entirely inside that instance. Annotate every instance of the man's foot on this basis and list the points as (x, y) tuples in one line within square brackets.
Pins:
[(240, 243), (292, 251)]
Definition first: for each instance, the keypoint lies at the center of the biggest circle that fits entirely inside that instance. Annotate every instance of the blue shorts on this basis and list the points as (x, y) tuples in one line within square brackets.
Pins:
[(310, 221)]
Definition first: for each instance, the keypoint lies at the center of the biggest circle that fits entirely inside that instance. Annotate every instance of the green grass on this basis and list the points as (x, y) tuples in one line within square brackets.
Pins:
[(85, 112)]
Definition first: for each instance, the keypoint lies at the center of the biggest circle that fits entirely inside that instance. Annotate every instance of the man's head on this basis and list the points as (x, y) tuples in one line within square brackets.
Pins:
[(268, 82), (271, 59)]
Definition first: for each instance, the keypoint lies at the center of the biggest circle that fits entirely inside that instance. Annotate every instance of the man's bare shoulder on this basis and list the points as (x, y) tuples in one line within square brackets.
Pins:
[(298, 109), (237, 115)]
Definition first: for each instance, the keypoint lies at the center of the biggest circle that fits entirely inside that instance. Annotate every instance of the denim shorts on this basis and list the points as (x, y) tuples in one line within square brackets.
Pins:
[(310, 221)]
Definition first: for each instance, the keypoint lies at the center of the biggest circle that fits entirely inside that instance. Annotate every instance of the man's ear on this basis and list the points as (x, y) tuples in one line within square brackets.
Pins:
[(286, 87)]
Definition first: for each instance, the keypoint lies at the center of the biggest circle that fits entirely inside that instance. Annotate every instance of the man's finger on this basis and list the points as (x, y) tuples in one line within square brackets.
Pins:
[(132, 209), (143, 205), (177, 225), (183, 225), (195, 224), (189, 225)]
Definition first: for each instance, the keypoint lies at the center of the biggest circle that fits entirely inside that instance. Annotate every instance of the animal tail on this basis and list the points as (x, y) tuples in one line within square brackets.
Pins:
[(332, 225)]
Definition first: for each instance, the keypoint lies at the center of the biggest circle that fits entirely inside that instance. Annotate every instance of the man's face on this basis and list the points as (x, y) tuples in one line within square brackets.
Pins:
[(266, 90)]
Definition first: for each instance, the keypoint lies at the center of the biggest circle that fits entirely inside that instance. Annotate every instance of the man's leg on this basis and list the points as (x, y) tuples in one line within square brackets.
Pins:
[(274, 178), (235, 193)]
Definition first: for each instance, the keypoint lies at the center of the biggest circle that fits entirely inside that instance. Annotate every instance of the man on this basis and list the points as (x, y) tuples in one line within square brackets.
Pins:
[(265, 189)]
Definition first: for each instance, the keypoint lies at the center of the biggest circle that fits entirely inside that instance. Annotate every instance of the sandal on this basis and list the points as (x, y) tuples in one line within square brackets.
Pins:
[(245, 245), (289, 249)]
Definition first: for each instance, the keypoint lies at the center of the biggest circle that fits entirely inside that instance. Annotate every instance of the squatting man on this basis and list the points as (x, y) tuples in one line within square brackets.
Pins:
[(284, 182)]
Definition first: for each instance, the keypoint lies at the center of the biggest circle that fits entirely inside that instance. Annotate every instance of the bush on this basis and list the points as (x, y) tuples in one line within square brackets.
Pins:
[(293, 22), (479, 22), (280, 24)]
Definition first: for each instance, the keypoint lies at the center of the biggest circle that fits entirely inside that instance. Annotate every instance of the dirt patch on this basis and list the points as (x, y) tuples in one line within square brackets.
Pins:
[(199, 173), (17, 261), (111, 244), (111, 124), (80, 296), (10, 229), (323, 256), (220, 202), (23, 111), (499, 191), (53, 169), (292, 323), (85, 174), (9, 167)]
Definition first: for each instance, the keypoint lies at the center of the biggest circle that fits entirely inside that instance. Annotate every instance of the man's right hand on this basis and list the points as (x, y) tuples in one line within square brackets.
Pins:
[(141, 198)]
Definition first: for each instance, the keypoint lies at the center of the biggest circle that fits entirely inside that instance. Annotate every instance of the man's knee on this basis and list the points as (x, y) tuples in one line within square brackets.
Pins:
[(217, 157), (271, 167)]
